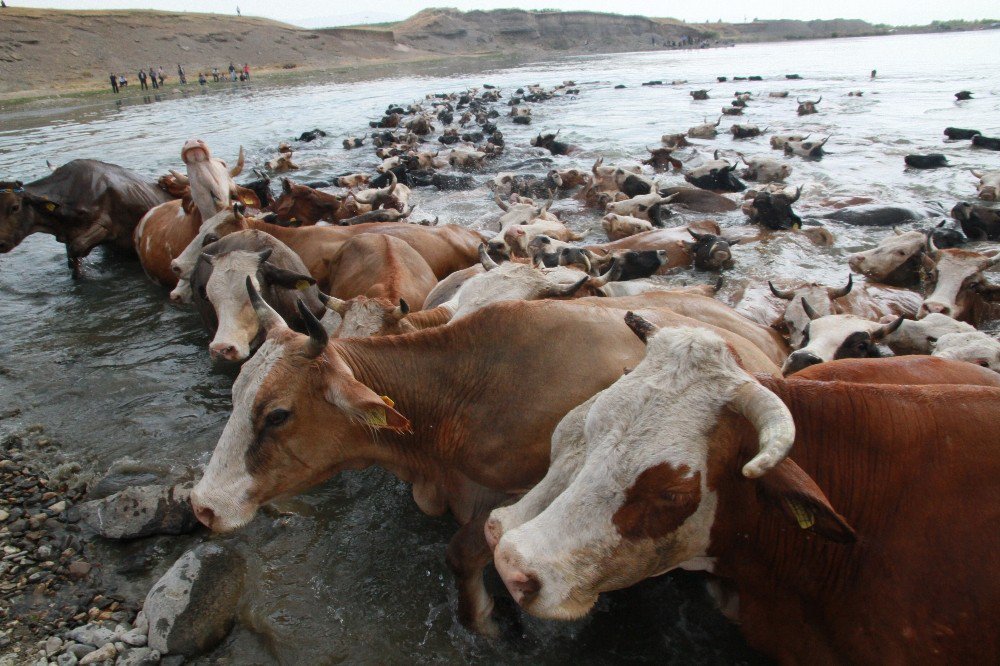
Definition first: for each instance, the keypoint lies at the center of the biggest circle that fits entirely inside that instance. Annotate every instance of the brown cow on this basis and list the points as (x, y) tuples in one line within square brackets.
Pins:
[(706, 251), (901, 370), (83, 203), (956, 276), (873, 546), (300, 205), (434, 407)]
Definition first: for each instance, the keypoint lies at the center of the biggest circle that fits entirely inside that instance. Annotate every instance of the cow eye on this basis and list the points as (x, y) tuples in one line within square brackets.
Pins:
[(276, 417), (984, 364), (16, 207), (209, 239)]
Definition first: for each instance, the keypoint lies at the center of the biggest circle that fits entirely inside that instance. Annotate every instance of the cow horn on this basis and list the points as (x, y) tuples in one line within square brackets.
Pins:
[(718, 121), (286, 186), (715, 155), (50, 165), (695, 235), (333, 303), (598, 162), (268, 318), (773, 422), (569, 289), (896, 230), (239, 210), (643, 329), (930, 247), (238, 169), (808, 309), (260, 174), (798, 193), (740, 155), (977, 174), (318, 337), (843, 291), (401, 310), (496, 197), (609, 275), (798, 100), (823, 142), (179, 177), (485, 259), (819, 100), (264, 255), (991, 261), (548, 204), (787, 295), (886, 329)]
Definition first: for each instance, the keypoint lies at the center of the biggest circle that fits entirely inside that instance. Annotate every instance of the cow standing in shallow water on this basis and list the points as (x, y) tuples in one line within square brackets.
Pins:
[(830, 533)]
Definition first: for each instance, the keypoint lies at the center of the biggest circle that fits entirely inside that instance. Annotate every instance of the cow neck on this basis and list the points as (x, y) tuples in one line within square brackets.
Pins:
[(752, 540), (425, 382), (283, 234)]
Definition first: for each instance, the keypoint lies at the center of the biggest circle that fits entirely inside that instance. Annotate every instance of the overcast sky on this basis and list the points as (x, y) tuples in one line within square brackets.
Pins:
[(313, 13)]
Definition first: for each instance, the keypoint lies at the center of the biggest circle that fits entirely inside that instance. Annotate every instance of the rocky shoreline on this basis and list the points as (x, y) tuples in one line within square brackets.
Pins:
[(56, 603)]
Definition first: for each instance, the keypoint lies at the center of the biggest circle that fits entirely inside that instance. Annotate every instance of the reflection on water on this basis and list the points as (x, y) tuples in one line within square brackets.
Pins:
[(356, 573)]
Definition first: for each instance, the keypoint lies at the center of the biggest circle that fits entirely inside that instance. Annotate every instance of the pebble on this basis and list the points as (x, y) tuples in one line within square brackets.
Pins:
[(66, 659), (139, 657), (99, 655), (90, 634), (79, 650), (4, 515), (58, 507), (135, 638), (53, 644), (78, 569)]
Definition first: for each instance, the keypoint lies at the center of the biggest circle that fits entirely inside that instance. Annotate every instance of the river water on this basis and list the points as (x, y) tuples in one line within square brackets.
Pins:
[(352, 572)]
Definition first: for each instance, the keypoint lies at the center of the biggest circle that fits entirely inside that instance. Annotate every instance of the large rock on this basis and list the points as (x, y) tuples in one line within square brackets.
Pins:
[(142, 511), (193, 606), (138, 657)]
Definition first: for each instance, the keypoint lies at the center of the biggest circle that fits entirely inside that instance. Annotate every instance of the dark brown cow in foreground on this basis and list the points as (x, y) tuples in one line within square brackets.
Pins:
[(434, 407), (874, 545), (83, 203)]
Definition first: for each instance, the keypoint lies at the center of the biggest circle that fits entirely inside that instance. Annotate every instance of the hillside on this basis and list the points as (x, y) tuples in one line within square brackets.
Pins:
[(45, 52)]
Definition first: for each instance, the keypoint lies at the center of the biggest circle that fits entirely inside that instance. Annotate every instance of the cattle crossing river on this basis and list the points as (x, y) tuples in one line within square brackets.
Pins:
[(352, 572)]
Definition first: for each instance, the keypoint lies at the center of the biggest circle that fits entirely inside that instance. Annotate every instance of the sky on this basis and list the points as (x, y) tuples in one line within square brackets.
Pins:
[(318, 13)]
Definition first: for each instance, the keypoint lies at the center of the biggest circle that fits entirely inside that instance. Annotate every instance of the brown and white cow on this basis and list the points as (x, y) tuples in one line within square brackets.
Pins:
[(707, 251), (989, 184), (956, 276), (434, 407), (894, 261), (856, 548), (706, 130), (300, 205)]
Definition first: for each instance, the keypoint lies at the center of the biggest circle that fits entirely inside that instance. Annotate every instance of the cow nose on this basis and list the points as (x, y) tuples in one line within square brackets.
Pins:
[(223, 350), (175, 267), (523, 585), (932, 307), (798, 361), (204, 514), (493, 531), (854, 261)]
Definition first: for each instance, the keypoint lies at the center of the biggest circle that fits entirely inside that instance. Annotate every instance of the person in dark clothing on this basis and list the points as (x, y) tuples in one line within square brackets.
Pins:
[(142, 80), (152, 78), (202, 79), (246, 70), (114, 82)]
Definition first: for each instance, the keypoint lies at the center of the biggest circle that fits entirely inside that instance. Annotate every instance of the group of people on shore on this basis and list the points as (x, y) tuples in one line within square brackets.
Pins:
[(156, 77)]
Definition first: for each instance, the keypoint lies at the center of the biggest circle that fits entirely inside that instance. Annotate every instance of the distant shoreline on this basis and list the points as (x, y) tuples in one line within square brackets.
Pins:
[(53, 57)]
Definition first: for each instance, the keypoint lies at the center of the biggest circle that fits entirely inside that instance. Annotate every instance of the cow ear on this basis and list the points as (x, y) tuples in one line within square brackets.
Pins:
[(788, 488), (285, 278), (365, 406)]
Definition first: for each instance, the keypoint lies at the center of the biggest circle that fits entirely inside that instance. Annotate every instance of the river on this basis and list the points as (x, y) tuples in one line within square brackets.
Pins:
[(352, 572)]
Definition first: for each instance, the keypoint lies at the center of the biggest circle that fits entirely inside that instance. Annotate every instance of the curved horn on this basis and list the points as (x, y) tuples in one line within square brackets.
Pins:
[(843, 291), (798, 100), (812, 314), (643, 329), (238, 169), (695, 235), (896, 230), (50, 165), (798, 193), (823, 142), (609, 275), (598, 162), (239, 211), (264, 254), (715, 155), (496, 197), (929, 246), (318, 337), (333, 303), (548, 204), (977, 174), (787, 295), (179, 177), (886, 329), (485, 259), (400, 311), (268, 318), (819, 100), (718, 121), (392, 185), (773, 422), (569, 289)]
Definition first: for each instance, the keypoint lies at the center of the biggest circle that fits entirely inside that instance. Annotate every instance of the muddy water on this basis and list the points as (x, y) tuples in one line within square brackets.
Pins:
[(352, 572)]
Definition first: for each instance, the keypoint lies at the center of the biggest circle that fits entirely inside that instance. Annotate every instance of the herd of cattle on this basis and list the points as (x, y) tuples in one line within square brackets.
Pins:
[(586, 424)]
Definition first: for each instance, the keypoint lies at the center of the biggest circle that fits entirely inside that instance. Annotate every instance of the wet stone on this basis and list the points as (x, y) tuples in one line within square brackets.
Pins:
[(142, 511)]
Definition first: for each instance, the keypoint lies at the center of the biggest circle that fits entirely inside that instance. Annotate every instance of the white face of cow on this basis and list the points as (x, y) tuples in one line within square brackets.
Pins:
[(636, 206), (514, 282), (627, 495), (210, 231), (918, 337), (891, 253), (835, 337), (989, 185), (622, 226), (955, 271), (767, 170), (972, 347), (226, 291)]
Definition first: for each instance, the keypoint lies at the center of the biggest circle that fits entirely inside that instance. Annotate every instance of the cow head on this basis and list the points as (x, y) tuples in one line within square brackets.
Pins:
[(971, 347), (363, 317), (774, 210), (989, 185), (300, 204), (295, 396), (211, 181), (821, 299), (15, 222), (836, 336), (221, 285), (710, 252), (806, 107), (895, 260), (513, 281), (955, 276), (222, 224), (642, 472)]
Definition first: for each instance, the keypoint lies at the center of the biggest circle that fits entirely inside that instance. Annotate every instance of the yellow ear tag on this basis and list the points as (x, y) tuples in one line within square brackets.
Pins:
[(292, 219), (803, 514), (387, 400), (248, 201), (376, 417), (50, 207), (301, 285)]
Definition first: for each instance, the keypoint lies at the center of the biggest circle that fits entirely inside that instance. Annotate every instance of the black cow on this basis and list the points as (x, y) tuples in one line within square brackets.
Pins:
[(548, 141), (959, 133), (978, 222), (774, 211), (929, 161), (710, 252), (988, 142), (311, 135)]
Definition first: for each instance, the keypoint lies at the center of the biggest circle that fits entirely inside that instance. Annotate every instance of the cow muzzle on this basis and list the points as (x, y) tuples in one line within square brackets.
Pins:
[(799, 361)]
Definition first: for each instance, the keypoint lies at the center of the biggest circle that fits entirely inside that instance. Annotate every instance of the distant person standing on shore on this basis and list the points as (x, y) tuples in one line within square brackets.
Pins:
[(114, 83), (873, 73), (238, 11), (246, 70), (122, 81), (202, 79), (152, 77), (215, 74), (142, 80), (180, 74), (160, 75)]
